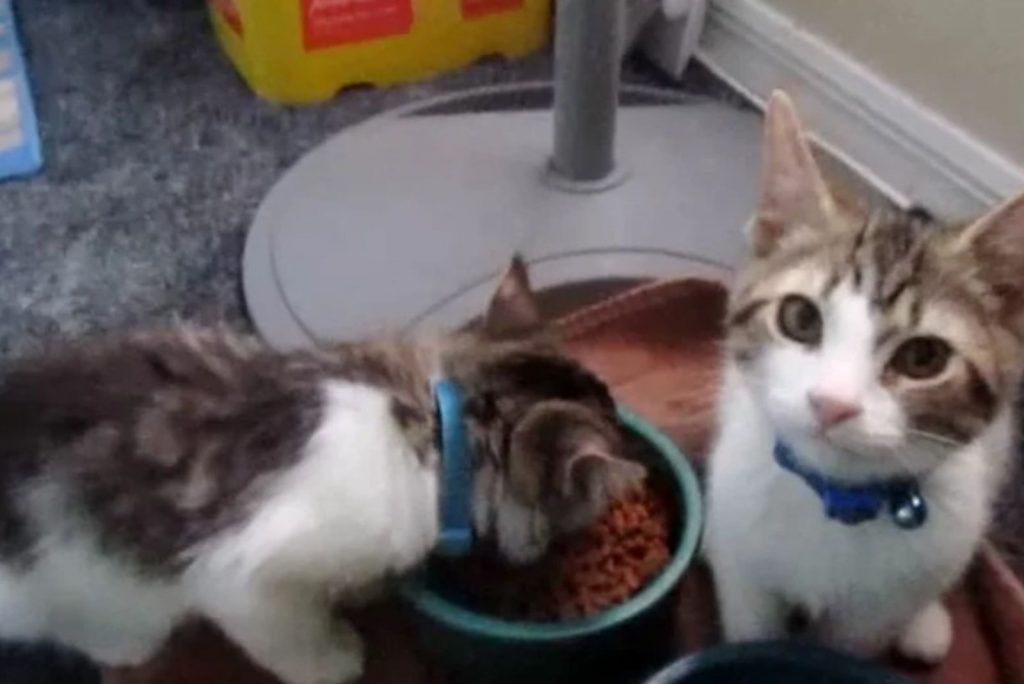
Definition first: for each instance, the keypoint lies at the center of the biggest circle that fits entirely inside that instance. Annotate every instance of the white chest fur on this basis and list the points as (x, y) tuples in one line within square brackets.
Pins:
[(773, 550), (359, 505), (357, 508)]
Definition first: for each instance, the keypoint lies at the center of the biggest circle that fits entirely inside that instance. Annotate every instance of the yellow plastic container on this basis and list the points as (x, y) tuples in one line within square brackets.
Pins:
[(299, 51)]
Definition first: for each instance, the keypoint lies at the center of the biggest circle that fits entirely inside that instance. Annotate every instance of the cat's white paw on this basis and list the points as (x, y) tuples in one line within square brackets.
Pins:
[(337, 658), (928, 636), (120, 654), (334, 665)]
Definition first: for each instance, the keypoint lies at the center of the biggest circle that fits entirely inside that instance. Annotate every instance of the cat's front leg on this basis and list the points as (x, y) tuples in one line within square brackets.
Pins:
[(748, 611), (290, 634), (928, 636)]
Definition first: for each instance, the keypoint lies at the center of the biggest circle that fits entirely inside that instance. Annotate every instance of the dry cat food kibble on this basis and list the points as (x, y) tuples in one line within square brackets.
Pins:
[(590, 572)]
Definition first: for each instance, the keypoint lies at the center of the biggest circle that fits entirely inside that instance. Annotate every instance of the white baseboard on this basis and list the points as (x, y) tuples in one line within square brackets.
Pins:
[(904, 149)]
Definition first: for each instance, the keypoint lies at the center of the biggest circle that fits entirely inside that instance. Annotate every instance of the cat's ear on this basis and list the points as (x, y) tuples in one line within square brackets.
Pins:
[(598, 476), (994, 244), (572, 451), (794, 194), (513, 310)]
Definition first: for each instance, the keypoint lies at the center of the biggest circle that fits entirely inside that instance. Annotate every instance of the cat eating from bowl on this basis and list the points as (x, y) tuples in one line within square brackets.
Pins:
[(153, 476)]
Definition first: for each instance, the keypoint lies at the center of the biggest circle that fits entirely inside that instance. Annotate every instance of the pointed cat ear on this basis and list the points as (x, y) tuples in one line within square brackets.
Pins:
[(513, 311), (599, 477), (793, 191), (573, 451), (995, 245)]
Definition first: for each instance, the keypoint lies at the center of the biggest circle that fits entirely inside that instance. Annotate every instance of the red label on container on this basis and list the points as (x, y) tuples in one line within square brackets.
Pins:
[(326, 23), (229, 10), (478, 8)]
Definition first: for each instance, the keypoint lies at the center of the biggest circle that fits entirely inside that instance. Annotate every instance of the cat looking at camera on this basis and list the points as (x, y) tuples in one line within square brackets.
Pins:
[(866, 412)]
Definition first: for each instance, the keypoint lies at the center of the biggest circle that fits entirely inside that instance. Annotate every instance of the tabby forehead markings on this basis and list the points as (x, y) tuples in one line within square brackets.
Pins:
[(905, 269)]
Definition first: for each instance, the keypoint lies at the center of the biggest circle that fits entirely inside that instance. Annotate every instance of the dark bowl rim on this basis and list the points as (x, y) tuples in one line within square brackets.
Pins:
[(440, 609), (826, 661)]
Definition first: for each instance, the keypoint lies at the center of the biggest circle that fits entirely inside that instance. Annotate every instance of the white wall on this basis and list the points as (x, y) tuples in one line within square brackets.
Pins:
[(962, 58)]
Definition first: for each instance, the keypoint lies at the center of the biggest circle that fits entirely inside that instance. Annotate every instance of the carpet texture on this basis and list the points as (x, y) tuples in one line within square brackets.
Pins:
[(156, 159)]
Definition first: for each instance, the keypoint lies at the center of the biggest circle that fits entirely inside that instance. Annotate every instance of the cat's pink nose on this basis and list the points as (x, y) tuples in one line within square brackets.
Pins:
[(830, 410)]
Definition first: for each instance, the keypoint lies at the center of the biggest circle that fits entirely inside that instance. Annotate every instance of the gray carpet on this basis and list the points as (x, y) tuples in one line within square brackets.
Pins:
[(156, 158)]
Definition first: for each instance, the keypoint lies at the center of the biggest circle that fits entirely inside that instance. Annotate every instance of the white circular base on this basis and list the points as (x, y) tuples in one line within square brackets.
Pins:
[(408, 219)]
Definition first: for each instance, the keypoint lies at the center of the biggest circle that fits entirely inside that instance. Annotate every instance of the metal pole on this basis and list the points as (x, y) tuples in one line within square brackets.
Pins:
[(588, 38)]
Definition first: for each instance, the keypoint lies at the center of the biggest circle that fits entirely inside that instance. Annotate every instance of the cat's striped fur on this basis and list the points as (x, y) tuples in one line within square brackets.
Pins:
[(913, 273), (153, 476), (876, 345)]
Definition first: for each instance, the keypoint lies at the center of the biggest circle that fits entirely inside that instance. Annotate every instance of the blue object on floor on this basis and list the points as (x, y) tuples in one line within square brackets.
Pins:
[(20, 152)]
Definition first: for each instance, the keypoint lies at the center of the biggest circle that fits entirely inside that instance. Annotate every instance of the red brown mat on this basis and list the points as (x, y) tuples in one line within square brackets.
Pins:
[(658, 346)]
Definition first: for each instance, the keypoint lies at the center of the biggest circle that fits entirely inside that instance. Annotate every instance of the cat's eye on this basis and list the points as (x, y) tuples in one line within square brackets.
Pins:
[(800, 320), (920, 358)]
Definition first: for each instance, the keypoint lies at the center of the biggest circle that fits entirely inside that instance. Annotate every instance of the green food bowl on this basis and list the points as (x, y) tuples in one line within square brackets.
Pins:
[(621, 644)]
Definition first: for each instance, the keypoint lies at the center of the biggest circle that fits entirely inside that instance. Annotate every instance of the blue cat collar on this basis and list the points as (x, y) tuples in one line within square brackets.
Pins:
[(855, 504), (456, 481)]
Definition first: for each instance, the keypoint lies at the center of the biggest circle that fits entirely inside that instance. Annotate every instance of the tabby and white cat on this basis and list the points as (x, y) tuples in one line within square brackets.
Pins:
[(153, 476), (865, 419)]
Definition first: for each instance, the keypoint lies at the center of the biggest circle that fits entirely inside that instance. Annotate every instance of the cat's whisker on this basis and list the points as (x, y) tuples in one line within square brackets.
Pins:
[(936, 438), (897, 455)]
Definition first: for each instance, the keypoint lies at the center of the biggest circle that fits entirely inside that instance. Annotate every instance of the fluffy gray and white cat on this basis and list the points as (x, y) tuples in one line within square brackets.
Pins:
[(872, 366), (154, 476)]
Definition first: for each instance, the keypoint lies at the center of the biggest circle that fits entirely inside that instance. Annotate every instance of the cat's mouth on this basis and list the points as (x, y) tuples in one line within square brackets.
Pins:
[(858, 458), (840, 440), (857, 444)]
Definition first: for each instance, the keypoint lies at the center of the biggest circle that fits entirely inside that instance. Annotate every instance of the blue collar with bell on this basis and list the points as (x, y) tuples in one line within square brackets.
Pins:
[(456, 474), (854, 504)]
